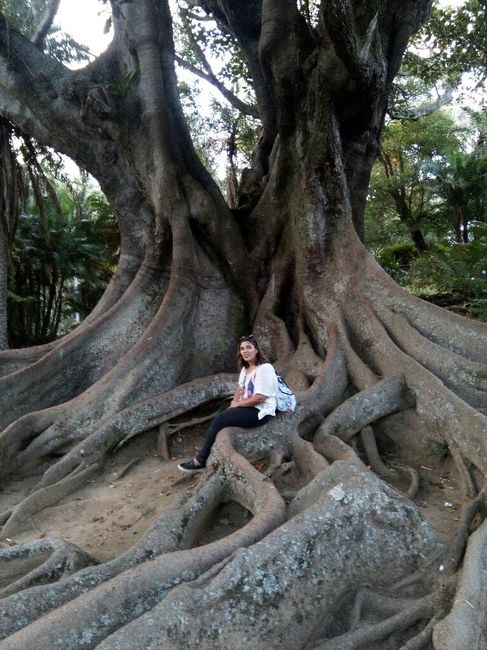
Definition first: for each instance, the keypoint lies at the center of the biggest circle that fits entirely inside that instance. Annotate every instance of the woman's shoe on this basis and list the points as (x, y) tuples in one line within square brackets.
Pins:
[(191, 466)]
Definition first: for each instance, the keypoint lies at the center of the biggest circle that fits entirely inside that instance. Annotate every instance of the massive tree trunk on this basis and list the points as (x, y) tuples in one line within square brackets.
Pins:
[(347, 561)]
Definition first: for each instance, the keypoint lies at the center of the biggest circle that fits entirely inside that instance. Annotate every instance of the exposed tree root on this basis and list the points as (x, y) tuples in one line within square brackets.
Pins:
[(39, 562), (166, 430), (71, 470), (84, 356), (385, 397), (374, 634), (308, 462), (121, 427), (168, 534), (128, 467), (462, 336), (20, 517), (275, 462), (435, 403), (466, 624), (467, 378), (455, 552), (422, 640), (115, 603), (141, 372), (361, 374), (400, 620), (153, 412), (414, 486), (305, 554), (127, 267), (373, 456), (133, 599), (466, 483)]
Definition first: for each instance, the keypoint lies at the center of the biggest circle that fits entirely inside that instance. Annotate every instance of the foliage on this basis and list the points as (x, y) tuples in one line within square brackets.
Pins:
[(462, 186), (427, 174), (455, 42), (402, 193), (448, 54), (448, 273), (60, 263), (25, 14), (200, 40), (396, 259), (122, 85), (431, 178), (458, 269), (224, 136)]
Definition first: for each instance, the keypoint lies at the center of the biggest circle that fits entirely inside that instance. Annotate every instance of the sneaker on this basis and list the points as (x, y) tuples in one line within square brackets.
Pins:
[(191, 466)]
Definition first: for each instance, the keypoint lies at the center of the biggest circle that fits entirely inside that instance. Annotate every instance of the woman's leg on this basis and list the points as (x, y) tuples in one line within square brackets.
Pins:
[(244, 416)]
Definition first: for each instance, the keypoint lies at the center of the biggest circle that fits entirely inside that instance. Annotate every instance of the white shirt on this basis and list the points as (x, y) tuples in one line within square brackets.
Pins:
[(261, 381)]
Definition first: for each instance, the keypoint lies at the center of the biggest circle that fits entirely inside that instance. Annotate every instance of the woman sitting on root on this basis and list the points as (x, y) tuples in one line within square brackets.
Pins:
[(254, 401)]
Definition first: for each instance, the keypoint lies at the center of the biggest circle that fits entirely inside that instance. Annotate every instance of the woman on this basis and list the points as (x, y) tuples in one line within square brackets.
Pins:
[(253, 404)]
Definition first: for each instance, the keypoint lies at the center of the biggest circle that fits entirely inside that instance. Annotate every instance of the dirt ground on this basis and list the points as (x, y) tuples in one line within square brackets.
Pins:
[(120, 504)]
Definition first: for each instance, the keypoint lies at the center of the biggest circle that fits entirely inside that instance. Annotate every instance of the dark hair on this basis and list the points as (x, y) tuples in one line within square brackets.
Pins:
[(260, 357)]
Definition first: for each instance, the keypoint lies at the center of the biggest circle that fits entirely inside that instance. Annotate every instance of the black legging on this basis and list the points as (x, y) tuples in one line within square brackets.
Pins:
[(240, 416)]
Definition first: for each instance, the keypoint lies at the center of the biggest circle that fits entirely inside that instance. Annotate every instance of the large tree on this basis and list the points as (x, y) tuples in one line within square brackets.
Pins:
[(346, 562)]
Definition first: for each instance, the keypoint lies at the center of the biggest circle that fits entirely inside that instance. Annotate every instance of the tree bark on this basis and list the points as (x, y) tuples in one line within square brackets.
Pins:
[(192, 279)]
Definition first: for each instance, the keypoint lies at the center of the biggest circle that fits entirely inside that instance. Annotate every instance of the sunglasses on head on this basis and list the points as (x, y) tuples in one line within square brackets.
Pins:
[(250, 337)]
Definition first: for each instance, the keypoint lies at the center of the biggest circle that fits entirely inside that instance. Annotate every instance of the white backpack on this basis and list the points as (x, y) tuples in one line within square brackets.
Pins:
[(286, 400)]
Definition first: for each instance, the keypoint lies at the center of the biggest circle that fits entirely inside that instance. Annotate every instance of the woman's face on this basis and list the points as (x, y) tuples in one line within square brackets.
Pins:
[(248, 352)]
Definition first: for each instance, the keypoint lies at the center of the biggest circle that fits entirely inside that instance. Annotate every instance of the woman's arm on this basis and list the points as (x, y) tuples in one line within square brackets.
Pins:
[(250, 401)]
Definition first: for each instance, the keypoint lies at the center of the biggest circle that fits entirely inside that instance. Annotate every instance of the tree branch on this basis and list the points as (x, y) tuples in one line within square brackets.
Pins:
[(371, 41), (209, 75), (243, 107), (244, 23), (45, 23), (351, 41), (426, 108), (34, 94)]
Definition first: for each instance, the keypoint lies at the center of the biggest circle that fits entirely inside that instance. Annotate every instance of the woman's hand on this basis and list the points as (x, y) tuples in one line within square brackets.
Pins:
[(238, 393), (237, 396), (250, 401)]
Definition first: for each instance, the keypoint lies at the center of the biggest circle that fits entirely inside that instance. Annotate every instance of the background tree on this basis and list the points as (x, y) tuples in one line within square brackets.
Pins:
[(19, 155), (367, 357), (61, 260), (461, 183), (446, 57), (404, 173), (427, 186)]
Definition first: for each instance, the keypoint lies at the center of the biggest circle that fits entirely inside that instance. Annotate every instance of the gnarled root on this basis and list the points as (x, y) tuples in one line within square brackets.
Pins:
[(112, 604), (469, 511), (294, 571), (92, 349), (39, 562), (400, 620), (69, 472), (383, 398), (373, 456), (20, 518), (466, 624)]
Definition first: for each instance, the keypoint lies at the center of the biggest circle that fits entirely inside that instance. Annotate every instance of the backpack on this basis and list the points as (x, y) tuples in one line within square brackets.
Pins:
[(286, 401)]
